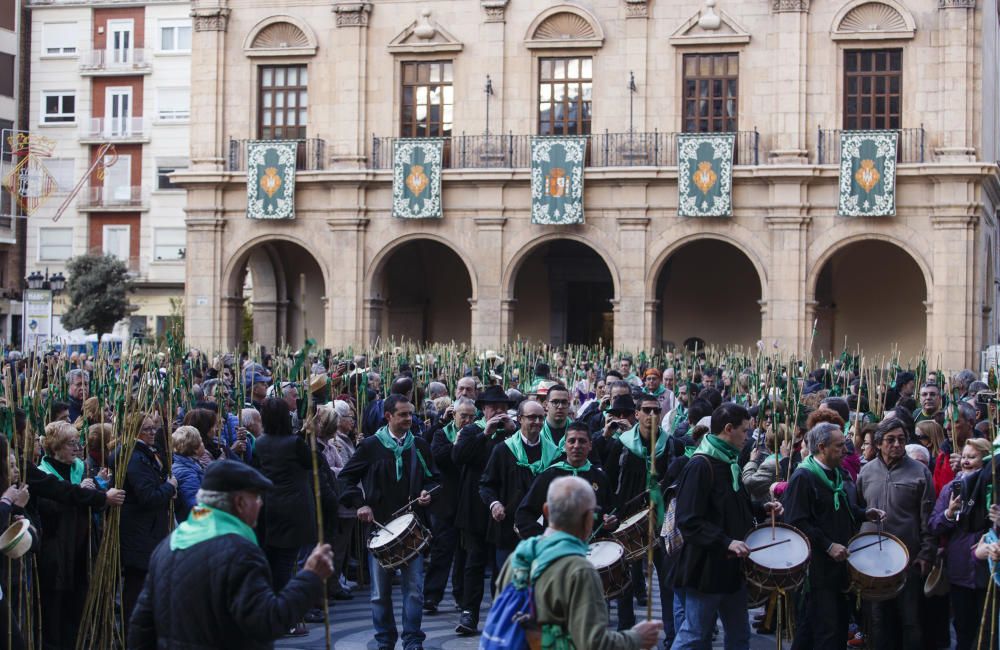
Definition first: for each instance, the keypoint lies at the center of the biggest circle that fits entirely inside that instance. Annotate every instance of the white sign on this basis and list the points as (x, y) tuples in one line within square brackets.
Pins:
[(37, 318)]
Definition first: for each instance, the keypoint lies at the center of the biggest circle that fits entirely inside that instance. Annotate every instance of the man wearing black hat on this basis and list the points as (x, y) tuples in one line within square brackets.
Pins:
[(209, 585), (472, 450), (619, 417)]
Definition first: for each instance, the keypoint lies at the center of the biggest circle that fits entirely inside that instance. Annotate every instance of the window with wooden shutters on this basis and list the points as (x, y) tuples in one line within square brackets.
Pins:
[(711, 92), (873, 89), (428, 99), (565, 88), (284, 101)]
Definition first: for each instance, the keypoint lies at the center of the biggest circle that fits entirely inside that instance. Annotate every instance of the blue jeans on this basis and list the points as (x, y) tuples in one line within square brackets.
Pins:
[(413, 603), (678, 608), (700, 613)]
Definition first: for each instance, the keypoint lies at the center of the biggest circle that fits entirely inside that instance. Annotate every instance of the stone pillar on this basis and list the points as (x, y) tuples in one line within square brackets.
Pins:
[(788, 122), (265, 323), (346, 311), (350, 144), (204, 264), (491, 36), (507, 307), (232, 321), (208, 111), (488, 255), (652, 325), (951, 326), (956, 39), (785, 293), (630, 299), (637, 61)]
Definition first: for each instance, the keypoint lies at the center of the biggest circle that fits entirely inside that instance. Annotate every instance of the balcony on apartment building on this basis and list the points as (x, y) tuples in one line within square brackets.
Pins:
[(116, 62), (115, 129), (113, 199)]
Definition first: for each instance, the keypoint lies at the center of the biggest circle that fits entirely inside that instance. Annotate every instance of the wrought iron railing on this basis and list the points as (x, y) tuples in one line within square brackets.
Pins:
[(911, 147), (509, 151), (310, 156)]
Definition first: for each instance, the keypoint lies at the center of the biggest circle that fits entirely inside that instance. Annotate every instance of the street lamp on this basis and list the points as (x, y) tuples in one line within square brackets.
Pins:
[(57, 282), (36, 280)]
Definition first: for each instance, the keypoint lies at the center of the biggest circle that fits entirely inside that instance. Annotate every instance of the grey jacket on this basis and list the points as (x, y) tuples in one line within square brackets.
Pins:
[(905, 492)]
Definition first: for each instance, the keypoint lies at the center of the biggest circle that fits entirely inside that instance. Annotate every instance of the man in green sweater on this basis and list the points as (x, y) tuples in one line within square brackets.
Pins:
[(569, 600)]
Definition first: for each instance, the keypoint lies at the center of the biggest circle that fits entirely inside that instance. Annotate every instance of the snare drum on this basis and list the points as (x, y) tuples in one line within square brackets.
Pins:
[(633, 535), (878, 571), (609, 560), (782, 566), (400, 541)]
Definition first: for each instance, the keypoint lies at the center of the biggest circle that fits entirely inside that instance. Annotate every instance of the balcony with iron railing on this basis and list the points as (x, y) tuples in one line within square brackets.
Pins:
[(123, 198), (116, 62), (310, 156), (114, 129), (911, 146), (509, 151)]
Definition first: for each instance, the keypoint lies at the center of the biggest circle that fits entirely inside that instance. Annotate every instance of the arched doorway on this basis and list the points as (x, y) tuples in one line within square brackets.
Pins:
[(708, 290), (871, 294), (424, 288), (563, 292), (279, 290)]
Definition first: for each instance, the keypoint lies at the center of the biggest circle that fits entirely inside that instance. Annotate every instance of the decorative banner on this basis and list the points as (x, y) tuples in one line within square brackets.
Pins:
[(557, 179), (271, 179), (416, 178), (705, 174), (868, 173)]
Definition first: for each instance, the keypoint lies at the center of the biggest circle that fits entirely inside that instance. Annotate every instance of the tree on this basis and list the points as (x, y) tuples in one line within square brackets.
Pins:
[(97, 287)]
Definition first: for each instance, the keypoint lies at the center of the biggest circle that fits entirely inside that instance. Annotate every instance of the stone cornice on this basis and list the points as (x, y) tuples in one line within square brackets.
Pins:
[(204, 224), (954, 221), (636, 9), (791, 222), (352, 14), (956, 4), (790, 6), (633, 223), (347, 225), (490, 223), (210, 19)]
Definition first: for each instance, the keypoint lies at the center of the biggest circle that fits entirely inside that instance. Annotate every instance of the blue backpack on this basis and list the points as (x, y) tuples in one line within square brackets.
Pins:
[(511, 617)]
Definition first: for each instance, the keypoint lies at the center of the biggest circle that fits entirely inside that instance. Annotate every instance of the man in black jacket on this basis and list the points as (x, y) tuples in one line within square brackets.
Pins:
[(819, 504), (393, 467), (714, 515), (209, 585)]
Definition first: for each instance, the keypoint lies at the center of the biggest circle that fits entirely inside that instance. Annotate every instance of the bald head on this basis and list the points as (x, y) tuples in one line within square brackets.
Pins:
[(570, 502)]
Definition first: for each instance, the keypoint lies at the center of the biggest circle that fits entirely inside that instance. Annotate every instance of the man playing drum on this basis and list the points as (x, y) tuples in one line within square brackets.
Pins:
[(714, 515), (394, 467), (904, 489), (817, 503)]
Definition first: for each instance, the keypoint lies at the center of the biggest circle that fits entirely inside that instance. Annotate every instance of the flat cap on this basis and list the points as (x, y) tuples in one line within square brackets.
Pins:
[(233, 476)]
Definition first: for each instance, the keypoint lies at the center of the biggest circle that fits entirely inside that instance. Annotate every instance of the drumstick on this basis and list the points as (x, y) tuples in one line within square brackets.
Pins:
[(861, 548), (406, 507), (773, 532), (763, 546), (598, 529), (381, 526)]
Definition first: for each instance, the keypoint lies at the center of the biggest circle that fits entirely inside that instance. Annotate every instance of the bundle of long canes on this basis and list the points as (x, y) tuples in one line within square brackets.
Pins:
[(652, 520)]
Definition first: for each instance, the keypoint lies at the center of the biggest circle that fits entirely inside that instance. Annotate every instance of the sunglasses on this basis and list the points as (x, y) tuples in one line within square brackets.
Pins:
[(649, 410)]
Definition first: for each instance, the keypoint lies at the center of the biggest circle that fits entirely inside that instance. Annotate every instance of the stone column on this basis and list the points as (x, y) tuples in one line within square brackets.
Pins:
[(956, 39), (208, 107), (349, 146), (951, 325), (231, 327), (507, 307), (204, 264), (374, 313), (488, 256), (491, 37), (637, 61), (785, 293), (346, 309), (265, 323), (652, 325), (788, 122), (630, 299)]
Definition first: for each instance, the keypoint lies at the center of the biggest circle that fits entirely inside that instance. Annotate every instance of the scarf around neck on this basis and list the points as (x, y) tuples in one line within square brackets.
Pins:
[(389, 442), (836, 486), (717, 448), (534, 555), (566, 467), (75, 470), (205, 523), (633, 441), (450, 432), (547, 433), (516, 446)]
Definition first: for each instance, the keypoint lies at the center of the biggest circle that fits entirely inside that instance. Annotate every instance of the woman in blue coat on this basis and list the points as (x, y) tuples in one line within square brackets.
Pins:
[(188, 448)]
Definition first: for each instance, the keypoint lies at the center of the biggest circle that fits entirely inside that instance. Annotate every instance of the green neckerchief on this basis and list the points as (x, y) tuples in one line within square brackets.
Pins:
[(205, 523), (633, 441), (715, 447), (75, 470), (680, 414), (535, 554), (566, 467), (481, 423), (770, 456), (689, 451), (547, 433), (516, 446), (837, 486), (450, 432), (389, 442), (659, 391)]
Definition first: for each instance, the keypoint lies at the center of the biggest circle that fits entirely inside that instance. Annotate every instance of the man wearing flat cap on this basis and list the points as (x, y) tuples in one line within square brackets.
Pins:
[(209, 585)]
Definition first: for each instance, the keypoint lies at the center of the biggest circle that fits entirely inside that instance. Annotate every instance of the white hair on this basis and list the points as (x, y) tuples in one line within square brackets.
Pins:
[(919, 450), (215, 499), (342, 408), (569, 497)]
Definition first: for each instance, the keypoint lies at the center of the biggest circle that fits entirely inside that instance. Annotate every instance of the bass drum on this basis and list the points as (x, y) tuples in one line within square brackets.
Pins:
[(401, 540)]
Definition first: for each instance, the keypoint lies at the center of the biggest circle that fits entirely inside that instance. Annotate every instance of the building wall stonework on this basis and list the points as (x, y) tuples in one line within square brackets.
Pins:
[(785, 222)]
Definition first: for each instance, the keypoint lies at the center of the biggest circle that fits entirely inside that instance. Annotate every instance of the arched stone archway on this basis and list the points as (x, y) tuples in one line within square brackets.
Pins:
[(420, 290), (710, 290), (283, 288), (872, 294), (563, 293)]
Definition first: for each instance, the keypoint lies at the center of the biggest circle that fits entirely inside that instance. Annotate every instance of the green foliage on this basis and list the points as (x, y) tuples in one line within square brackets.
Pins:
[(97, 289)]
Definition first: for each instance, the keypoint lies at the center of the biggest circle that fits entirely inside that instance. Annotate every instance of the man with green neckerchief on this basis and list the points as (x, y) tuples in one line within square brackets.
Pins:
[(557, 401)]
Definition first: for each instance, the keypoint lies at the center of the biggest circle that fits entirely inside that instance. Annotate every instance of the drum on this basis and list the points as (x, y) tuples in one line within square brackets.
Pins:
[(878, 571), (609, 560), (401, 540), (781, 566), (633, 534)]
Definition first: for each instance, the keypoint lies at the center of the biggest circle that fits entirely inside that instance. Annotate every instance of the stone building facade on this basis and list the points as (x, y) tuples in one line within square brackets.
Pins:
[(787, 75)]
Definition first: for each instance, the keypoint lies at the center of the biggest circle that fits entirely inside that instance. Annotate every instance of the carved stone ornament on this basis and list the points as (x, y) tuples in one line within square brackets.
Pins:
[(636, 9), (790, 6), (210, 19), (352, 14), (956, 4), (494, 10)]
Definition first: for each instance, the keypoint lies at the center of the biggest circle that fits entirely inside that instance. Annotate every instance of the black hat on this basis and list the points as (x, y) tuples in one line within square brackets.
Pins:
[(233, 476), (622, 404), (904, 378), (492, 395)]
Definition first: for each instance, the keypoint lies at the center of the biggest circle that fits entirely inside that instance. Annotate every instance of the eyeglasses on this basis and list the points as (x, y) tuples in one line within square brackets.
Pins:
[(559, 402), (894, 441), (649, 410), (533, 417)]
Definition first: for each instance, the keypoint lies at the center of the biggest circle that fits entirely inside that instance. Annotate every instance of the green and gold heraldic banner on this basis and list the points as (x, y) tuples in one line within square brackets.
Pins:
[(868, 173), (416, 178), (271, 179), (557, 180), (705, 174)]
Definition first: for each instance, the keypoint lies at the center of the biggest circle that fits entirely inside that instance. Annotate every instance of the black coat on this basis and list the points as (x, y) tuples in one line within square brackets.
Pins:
[(288, 519), (217, 594), (374, 467), (445, 502), (146, 511), (471, 452), (627, 475), (62, 562), (526, 518), (507, 482)]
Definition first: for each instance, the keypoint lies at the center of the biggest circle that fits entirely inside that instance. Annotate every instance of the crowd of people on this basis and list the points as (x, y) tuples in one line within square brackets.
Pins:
[(239, 498)]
